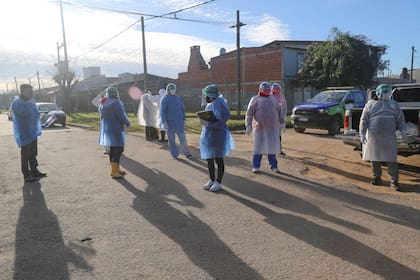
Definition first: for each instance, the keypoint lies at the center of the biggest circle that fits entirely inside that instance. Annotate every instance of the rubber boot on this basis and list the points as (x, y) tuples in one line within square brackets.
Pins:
[(115, 174), (122, 172)]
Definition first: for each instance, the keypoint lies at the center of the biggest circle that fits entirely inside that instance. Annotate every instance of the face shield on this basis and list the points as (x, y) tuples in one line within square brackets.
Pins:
[(264, 89), (275, 88), (384, 92), (171, 89)]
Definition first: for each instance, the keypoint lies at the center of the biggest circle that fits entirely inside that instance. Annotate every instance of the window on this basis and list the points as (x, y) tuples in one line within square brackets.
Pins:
[(300, 58), (359, 97)]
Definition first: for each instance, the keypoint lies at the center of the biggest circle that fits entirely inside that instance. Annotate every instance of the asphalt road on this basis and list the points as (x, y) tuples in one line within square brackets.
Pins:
[(158, 223)]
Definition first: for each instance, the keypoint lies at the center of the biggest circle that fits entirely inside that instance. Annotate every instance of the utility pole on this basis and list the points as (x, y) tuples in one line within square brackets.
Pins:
[(144, 54), (412, 63), (66, 62), (238, 26), (58, 54), (39, 84), (17, 88)]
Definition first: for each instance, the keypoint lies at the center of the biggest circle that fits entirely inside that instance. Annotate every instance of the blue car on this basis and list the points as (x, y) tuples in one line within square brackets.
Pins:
[(50, 114)]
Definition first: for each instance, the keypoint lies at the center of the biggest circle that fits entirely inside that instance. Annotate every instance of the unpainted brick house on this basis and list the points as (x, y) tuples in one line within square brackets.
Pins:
[(277, 61)]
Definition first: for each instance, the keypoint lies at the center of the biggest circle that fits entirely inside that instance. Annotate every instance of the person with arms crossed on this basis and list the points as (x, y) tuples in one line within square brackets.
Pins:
[(27, 129)]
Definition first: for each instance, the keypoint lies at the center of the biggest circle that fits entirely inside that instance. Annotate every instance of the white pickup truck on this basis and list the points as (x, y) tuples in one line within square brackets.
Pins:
[(408, 97)]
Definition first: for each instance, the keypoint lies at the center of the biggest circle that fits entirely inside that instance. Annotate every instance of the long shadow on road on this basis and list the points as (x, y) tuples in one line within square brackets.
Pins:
[(277, 197), (332, 242), (40, 249), (389, 212), (198, 240)]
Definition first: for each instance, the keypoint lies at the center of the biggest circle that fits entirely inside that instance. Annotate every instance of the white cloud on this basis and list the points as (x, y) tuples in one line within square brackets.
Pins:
[(266, 29), (32, 34)]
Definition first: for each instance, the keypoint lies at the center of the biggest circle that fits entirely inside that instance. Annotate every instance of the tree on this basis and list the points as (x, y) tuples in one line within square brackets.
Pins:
[(66, 82), (342, 60)]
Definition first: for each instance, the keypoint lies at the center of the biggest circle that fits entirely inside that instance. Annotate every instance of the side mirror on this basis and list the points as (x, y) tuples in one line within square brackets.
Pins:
[(348, 101)]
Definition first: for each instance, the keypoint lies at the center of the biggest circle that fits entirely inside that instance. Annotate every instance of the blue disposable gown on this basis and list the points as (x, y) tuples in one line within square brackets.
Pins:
[(216, 140), (265, 116), (378, 124), (172, 113), (26, 122), (113, 119)]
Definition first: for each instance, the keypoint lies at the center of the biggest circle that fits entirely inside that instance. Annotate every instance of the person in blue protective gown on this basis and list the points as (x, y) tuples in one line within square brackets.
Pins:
[(27, 129), (379, 121), (215, 139), (112, 130), (264, 117), (172, 117)]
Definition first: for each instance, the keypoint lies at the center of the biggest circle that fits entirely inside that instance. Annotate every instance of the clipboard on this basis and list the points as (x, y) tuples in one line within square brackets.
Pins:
[(206, 115)]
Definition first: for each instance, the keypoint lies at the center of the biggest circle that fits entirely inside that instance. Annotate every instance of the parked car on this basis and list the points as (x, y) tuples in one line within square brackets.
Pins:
[(326, 109), (50, 114), (408, 97)]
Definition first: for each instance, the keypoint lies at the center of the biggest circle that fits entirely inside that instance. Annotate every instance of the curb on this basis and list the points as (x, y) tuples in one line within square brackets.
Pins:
[(80, 125)]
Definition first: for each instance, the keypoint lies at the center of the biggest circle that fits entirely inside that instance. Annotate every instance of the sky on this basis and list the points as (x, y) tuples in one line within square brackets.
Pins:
[(31, 30)]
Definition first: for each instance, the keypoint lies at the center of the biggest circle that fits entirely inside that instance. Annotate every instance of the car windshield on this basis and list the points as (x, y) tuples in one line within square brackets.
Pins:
[(47, 107), (328, 96)]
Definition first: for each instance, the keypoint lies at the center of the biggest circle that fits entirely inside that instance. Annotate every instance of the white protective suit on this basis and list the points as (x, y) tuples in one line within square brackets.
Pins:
[(265, 116), (281, 99), (378, 124), (148, 112)]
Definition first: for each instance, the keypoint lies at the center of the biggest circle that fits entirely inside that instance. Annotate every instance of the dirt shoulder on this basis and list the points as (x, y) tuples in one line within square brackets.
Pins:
[(318, 156)]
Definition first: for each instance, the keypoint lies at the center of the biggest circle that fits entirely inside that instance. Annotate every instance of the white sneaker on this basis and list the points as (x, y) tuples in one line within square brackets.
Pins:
[(208, 185), (255, 170), (275, 170), (216, 187)]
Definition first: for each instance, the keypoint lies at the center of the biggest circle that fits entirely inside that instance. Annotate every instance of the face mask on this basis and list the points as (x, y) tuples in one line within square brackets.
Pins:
[(172, 92)]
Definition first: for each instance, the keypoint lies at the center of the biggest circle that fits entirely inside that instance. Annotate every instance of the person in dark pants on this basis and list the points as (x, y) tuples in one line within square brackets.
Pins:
[(215, 139), (112, 132), (27, 128), (378, 123)]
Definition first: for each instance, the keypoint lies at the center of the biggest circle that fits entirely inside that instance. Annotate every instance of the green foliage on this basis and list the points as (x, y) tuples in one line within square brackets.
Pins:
[(342, 60), (66, 81), (91, 121)]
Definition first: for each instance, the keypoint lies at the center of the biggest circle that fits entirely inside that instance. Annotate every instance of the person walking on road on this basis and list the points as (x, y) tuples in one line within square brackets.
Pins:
[(276, 91), (215, 139), (265, 117), (379, 121), (172, 115), (112, 131), (27, 129)]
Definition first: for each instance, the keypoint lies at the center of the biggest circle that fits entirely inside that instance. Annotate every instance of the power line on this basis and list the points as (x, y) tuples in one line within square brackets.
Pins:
[(151, 16), (109, 40)]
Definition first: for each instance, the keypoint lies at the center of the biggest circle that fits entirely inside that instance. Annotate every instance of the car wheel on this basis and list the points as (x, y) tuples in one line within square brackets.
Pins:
[(299, 129), (335, 126)]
